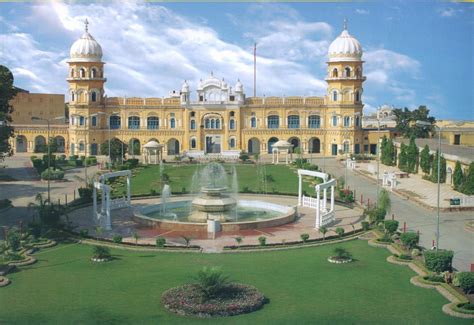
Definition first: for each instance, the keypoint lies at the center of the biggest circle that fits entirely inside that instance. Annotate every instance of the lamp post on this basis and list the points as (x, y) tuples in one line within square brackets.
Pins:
[(35, 118)]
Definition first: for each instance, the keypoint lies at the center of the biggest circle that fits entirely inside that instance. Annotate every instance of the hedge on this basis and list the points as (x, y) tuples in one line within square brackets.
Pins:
[(439, 261)]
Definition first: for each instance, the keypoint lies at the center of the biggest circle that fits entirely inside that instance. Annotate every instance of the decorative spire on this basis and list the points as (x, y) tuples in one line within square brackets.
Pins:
[(86, 23), (345, 23)]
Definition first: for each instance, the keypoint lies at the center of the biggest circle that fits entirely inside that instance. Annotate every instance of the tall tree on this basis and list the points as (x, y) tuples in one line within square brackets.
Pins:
[(468, 184), (425, 160), (402, 157), (7, 92), (406, 119), (457, 176), (442, 169), (412, 156), (118, 149)]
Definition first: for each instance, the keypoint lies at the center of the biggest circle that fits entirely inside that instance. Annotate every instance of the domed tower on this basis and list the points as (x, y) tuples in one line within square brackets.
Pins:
[(86, 71)]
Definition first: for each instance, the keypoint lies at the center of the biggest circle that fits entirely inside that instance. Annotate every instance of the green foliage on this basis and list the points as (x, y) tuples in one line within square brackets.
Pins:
[(365, 225), (101, 252), (412, 156), (160, 242), (346, 195), (468, 184), (387, 150), (442, 168), (340, 231), (409, 239), (403, 158), (52, 174), (238, 240), (137, 237), (132, 162), (384, 202), (244, 156), (7, 93), (304, 237), (438, 261), (323, 230), (406, 119), (434, 278), (262, 240), (391, 226), (116, 147), (84, 232), (13, 239), (211, 281), (4, 203), (342, 253), (134, 147), (425, 160), (48, 212), (376, 214), (117, 239), (457, 176), (466, 281), (85, 193)]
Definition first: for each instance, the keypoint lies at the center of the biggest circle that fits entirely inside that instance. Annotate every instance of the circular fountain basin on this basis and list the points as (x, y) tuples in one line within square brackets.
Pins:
[(180, 215)]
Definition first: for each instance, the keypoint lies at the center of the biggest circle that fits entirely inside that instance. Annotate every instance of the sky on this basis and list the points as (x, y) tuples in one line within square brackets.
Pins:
[(415, 53)]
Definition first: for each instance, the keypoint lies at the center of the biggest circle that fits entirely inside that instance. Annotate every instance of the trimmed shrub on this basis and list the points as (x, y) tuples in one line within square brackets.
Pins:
[(434, 278), (340, 232), (304, 237), (160, 242), (37, 164), (376, 215), (409, 239), (466, 281), (117, 239), (4, 203), (365, 225), (101, 252), (342, 253), (211, 281), (391, 226), (439, 261), (262, 240), (84, 232), (132, 162), (13, 239), (85, 193), (54, 174), (79, 163)]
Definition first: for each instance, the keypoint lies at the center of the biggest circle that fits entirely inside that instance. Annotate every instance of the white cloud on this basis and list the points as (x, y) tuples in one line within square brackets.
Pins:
[(362, 11), (449, 12)]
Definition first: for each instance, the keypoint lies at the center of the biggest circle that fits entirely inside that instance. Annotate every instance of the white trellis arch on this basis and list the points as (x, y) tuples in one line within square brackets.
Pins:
[(103, 217), (324, 216)]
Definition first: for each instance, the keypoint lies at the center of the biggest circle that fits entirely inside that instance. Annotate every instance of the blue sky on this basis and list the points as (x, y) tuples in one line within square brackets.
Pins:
[(416, 53)]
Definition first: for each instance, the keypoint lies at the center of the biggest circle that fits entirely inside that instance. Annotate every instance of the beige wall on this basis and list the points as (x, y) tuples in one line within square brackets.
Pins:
[(48, 106)]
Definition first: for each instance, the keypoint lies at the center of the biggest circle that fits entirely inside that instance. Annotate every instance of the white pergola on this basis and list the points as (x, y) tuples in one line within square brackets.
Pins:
[(324, 216), (103, 217), (153, 152), (284, 147)]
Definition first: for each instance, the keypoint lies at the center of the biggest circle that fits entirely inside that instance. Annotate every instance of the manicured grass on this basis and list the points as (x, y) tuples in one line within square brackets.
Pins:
[(280, 179), (65, 287)]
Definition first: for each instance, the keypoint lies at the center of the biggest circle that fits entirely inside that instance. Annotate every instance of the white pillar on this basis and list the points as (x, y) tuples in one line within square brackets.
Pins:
[(332, 198), (128, 189), (324, 198), (108, 223), (318, 212), (300, 190), (94, 197)]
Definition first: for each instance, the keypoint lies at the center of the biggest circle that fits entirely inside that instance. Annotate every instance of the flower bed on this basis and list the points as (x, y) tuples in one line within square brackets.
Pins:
[(339, 260), (188, 300), (4, 281)]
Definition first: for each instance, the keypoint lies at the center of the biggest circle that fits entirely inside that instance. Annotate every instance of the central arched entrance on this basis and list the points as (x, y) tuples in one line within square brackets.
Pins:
[(173, 147), (314, 145)]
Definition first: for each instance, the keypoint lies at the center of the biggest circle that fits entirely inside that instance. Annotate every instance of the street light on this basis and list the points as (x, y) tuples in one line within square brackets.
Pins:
[(35, 118), (109, 115)]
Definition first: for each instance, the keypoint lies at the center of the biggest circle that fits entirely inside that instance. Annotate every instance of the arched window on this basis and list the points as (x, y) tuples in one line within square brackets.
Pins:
[(357, 96), (73, 97), (133, 122), (253, 122), (82, 120), (232, 124), (358, 74), (213, 124), (334, 95), (115, 122), (357, 121), (94, 96), (172, 123), (334, 120), (193, 124), (94, 120), (347, 71), (193, 143), (293, 121), (273, 122), (347, 121), (207, 123), (314, 121), (82, 73), (81, 146), (346, 146), (232, 142), (152, 123), (334, 73), (232, 114), (218, 123), (93, 73)]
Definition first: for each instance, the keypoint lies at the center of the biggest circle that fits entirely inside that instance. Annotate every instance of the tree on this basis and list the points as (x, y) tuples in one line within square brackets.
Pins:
[(116, 151), (457, 176), (238, 240), (406, 119), (412, 156), (323, 230), (468, 184), (402, 158), (434, 173), (7, 93), (388, 153), (384, 200), (425, 160)]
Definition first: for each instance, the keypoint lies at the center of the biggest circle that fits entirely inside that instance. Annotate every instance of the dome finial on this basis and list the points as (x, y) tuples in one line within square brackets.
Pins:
[(345, 23), (86, 23)]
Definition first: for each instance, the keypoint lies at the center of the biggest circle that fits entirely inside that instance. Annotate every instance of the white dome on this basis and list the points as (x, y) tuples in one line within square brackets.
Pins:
[(152, 145), (238, 86), (185, 87), (86, 49), (345, 48)]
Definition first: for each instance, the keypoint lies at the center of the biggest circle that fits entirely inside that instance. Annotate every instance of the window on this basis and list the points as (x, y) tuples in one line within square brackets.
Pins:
[(334, 120), (253, 122), (357, 96), (358, 74), (93, 73), (207, 124), (193, 143), (232, 142), (293, 121), (73, 97), (273, 122), (357, 148), (346, 147), (357, 121), (82, 73), (133, 122), (232, 114), (334, 95), (172, 123), (82, 120), (334, 73), (152, 123), (314, 122), (81, 146), (193, 114), (115, 122), (94, 120), (94, 96), (201, 98), (213, 124), (193, 124), (347, 71), (232, 124), (347, 121)]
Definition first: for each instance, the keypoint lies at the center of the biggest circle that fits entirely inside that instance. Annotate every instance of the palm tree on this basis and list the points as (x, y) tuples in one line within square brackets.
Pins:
[(187, 240), (323, 230), (98, 231), (136, 237), (238, 240)]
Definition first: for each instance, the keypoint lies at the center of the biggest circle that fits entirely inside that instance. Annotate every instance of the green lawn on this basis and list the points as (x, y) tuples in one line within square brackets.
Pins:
[(280, 179), (64, 287)]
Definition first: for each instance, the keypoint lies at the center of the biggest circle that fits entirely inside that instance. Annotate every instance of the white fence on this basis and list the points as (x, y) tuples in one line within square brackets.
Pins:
[(119, 203), (312, 202)]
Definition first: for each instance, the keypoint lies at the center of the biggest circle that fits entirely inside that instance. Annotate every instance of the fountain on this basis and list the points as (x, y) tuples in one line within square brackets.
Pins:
[(214, 201)]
